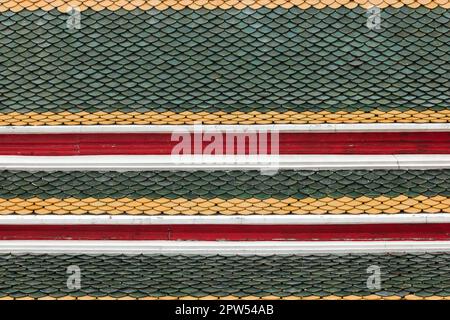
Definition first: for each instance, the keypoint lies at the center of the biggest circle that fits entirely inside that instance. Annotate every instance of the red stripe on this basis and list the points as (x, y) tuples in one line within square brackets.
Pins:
[(227, 232), (289, 143)]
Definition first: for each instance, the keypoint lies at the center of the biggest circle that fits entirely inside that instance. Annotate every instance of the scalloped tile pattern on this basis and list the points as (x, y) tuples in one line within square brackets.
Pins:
[(222, 65), (97, 5), (404, 276), (228, 193)]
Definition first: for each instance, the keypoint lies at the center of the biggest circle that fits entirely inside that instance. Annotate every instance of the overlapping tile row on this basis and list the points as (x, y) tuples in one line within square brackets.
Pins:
[(265, 65), (97, 5), (404, 276), (225, 192), (220, 117)]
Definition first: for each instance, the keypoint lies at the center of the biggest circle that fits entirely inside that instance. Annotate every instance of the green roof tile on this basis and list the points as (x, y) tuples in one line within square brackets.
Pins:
[(159, 275), (225, 60), (224, 184)]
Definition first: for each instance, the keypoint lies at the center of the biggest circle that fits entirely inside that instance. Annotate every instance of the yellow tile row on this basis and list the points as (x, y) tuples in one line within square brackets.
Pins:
[(254, 117), (63, 5), (144, 206), (331, 297)]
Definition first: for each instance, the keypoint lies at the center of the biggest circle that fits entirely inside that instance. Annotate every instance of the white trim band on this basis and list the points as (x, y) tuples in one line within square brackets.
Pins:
[(325, 127), (213, 247), (267, 163), (425, 218)]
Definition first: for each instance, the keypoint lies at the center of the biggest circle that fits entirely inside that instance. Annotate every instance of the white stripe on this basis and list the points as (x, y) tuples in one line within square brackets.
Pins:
[(357, 127), (267, 163), (213, 247), (227, 162), (233, 220)]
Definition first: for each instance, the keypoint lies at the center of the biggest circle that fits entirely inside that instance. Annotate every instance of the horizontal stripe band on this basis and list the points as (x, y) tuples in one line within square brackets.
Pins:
[(220, 247), (42, 220), (251, 142), (97, 5), (187, 232), (222, 62), (172, 118), (206, 276), (165, 298), (294, 128), (225, 185), (265, 163), (220, 275), (253, 206)]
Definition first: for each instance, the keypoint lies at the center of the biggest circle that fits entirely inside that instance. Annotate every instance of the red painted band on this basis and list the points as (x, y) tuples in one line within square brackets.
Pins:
[(227, 232), (289, 143)]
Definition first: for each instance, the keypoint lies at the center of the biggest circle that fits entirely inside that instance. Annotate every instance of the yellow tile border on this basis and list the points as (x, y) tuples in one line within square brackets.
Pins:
[(271, 298), (220, 117), (97, 5), (218, 206)]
